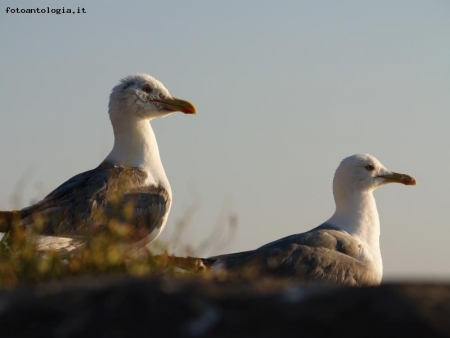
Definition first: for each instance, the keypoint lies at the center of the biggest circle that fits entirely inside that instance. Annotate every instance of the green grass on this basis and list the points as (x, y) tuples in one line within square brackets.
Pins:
[(22, 263)]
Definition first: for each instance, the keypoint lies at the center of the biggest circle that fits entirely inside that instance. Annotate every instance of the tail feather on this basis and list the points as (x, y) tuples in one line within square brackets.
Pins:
[(208, 262), (186, 263), (7, 218)]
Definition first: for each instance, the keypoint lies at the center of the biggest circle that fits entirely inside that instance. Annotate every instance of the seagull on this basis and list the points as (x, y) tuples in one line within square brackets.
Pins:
[(345, 250), (130, 186)]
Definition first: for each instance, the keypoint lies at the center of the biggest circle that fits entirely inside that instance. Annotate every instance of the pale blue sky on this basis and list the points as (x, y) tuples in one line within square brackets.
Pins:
[(284, 91)]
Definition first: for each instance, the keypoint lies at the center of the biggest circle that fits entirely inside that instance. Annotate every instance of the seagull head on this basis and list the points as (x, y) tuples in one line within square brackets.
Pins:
[(364, 172), (142, 97)]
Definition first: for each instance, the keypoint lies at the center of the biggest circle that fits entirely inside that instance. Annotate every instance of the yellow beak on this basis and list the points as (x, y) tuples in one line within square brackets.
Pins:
[(174, 104), (399, 178)]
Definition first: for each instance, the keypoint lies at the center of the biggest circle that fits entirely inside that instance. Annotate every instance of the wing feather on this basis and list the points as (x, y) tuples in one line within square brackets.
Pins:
[(88, 201), (324, 254)]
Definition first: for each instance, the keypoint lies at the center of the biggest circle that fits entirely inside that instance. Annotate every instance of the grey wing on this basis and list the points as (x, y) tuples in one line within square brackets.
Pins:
[(318, 264), (327, 256)]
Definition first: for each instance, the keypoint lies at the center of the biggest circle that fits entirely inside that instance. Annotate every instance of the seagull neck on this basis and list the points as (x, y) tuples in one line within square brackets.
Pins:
[(135, 145), (356, 213)]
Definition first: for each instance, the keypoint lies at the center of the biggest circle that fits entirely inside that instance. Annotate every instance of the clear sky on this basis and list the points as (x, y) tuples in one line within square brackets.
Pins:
[(284, 90)]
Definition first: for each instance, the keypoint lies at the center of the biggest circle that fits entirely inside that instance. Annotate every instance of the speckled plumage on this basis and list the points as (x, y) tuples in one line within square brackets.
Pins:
[(85, 204), (130, 186)]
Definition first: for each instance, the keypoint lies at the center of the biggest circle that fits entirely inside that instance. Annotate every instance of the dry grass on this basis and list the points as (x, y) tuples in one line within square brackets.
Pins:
[(22, 263)]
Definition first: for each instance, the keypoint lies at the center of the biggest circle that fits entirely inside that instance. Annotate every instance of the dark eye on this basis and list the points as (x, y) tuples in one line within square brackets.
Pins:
[(370, 167), (146, 88)]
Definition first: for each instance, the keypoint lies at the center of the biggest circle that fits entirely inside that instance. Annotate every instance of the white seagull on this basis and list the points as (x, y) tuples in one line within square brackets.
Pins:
[(129, 186), (345, 250)]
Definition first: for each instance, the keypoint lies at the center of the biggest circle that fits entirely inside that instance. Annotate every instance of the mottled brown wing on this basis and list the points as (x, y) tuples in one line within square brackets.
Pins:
[(87, 202)]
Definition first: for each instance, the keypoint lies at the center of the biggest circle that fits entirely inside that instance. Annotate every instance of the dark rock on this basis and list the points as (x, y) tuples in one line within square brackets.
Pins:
[(162, 307)]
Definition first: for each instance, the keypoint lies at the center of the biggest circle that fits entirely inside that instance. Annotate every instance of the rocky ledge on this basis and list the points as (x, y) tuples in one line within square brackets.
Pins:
[(180, 307)]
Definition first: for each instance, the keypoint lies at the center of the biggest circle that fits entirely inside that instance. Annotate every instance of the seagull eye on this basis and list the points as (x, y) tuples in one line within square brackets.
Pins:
[(146, 88), (370, 167)]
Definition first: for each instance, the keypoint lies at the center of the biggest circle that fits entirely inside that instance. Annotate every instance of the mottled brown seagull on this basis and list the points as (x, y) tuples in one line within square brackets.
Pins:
[(130, 186), (345, 250)]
